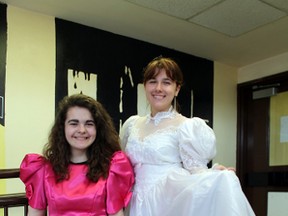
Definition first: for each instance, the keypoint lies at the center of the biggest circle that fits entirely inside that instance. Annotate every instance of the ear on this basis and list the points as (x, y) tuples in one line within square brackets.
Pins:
[(177, 90)]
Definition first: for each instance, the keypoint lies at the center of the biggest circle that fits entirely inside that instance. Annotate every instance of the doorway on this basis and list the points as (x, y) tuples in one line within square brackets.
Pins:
[(262, 143)]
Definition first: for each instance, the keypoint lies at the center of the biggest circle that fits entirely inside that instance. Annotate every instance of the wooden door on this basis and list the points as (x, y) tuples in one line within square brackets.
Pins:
[(257, 176)]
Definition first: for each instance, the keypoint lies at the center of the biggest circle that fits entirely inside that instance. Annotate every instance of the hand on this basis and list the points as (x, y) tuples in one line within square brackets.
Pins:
[(221, 167), (119, 213), (35, 212)]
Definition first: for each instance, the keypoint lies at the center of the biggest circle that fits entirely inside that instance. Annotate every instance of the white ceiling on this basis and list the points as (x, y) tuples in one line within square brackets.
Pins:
[(233, 32)]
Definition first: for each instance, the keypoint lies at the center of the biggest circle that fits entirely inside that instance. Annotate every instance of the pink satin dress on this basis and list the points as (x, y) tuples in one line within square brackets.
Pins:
[(77, 195)]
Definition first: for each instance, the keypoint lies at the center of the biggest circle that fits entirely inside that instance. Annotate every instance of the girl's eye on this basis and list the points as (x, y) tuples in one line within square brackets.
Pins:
[(152, 81), (90, 124), (167, 82)]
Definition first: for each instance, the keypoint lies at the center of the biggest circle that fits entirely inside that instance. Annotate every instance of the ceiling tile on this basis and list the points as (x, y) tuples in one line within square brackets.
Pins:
[(183, 9), (234, 17), (280, 4)]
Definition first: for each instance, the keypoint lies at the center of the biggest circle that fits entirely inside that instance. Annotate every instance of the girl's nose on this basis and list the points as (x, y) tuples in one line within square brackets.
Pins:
[(82, 128), (158, 86)]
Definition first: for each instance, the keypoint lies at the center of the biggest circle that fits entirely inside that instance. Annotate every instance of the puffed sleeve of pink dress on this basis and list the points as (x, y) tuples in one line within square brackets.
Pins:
[(77, 196), (32, 174), (119, 183)]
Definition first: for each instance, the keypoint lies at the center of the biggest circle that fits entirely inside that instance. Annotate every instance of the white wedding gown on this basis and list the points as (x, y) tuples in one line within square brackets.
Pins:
[(169, 154)]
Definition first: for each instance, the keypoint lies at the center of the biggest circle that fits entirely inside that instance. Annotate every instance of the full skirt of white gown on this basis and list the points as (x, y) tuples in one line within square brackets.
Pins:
[(170, 154)]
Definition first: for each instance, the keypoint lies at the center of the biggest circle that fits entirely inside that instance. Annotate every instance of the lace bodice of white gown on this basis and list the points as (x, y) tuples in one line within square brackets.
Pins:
[(169, 138), (170, 153)]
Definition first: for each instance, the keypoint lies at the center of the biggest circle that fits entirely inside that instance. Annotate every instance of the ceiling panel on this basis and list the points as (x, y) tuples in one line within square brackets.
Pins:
[(183, 9), (232, 32), (234, 17)]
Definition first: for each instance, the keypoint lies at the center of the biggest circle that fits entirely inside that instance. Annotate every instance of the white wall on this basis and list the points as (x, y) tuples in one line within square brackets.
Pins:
[(30, 89), (226, 79), (30, 84), (267, 67), (225, 113)]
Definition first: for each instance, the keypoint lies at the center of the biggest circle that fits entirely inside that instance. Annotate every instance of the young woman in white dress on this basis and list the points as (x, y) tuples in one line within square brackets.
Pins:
[(170, 153)]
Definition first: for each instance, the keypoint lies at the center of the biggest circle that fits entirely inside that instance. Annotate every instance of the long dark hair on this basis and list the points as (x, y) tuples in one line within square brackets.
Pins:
[(99, 154)]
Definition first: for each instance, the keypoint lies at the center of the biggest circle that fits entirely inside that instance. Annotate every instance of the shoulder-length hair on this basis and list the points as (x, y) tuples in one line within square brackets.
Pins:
[(171, 68)]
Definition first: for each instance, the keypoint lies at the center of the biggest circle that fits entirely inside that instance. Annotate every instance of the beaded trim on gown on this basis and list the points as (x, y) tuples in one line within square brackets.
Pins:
[(170, 155)]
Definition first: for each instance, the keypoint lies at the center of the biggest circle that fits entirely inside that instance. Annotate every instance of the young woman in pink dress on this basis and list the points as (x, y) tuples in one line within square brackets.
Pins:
[(82, 170)]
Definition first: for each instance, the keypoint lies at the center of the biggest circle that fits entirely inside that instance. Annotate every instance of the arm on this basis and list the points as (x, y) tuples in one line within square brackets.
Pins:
[(197, 145), (119, 213), (125, 130), (119, 184), (32, 174), (35, 212)]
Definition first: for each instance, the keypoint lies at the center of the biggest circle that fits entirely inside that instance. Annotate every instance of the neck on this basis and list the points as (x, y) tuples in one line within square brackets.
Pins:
[(154, 112), (78, 157)]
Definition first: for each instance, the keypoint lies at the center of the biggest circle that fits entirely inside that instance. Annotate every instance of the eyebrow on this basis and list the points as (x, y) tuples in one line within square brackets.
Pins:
[(72, 120), (76, 120), (167, 78)]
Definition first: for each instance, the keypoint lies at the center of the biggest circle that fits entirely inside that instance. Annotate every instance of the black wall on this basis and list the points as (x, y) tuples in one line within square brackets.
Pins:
[(83, 48)]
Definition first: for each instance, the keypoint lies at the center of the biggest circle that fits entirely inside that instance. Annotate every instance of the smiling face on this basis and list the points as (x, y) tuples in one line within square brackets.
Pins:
[(160, 92), (80, 131)]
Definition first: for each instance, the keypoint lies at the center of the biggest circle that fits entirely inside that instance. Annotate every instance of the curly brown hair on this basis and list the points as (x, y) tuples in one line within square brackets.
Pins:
[(57, 150), (172, 69)]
